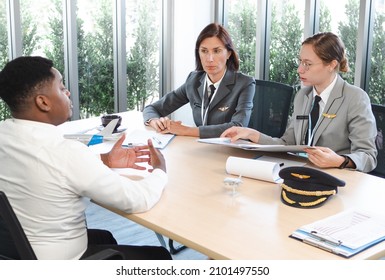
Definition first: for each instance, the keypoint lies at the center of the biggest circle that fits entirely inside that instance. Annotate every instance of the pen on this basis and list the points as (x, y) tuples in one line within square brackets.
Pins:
[(323, 238), (157, 140)]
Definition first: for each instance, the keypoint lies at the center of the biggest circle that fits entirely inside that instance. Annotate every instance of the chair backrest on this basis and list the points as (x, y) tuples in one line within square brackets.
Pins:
[(379, 114), (272, 101), (13, 241)]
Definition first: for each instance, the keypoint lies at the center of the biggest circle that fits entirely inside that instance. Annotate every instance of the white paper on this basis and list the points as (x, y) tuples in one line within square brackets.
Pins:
[(247, 145), (353, 228), (255, 169), (140, 137), (282, 162)]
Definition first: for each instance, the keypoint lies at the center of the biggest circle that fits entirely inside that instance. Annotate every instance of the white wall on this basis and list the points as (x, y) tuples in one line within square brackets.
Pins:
[(190, 17)]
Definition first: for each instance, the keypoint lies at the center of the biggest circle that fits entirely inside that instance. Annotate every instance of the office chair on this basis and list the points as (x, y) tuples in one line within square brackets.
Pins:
[(272, 101), (14, 244), (379, 114)]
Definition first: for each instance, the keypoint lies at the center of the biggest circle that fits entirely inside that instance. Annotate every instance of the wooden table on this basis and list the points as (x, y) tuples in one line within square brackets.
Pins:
[(197, 211)]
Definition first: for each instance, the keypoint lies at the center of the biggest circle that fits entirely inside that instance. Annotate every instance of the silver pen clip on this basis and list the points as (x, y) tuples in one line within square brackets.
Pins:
[(157, 140), (325, 239)]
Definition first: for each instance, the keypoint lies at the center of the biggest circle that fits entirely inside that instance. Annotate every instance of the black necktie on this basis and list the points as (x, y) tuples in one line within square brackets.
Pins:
[(314, 115), (210, 93)]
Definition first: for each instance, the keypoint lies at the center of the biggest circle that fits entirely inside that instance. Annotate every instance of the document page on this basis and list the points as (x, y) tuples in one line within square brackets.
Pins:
[(140, 137), (247, 145), (353, 229), (282, 162)]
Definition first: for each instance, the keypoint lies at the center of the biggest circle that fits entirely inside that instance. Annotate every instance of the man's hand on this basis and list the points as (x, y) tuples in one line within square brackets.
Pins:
[(156, 157), (121, 157)]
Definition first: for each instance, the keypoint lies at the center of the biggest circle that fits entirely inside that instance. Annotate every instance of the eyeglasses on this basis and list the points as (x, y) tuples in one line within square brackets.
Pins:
[(306, 65)]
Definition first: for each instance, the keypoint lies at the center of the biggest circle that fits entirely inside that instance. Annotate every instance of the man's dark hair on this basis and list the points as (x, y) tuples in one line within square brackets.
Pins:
[(22, 77)]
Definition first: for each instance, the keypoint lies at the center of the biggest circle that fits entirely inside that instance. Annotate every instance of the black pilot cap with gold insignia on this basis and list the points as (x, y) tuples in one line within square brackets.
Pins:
[(305, 187)]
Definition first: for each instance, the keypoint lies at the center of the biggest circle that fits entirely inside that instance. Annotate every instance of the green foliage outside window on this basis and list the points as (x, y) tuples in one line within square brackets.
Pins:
[(142, 63), (286, 36), (4, 111), (377, 70), (95, 50), (348, 32), (242, 28)]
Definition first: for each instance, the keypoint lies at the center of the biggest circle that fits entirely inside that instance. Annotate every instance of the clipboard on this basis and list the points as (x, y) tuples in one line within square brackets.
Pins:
[(345, 234)]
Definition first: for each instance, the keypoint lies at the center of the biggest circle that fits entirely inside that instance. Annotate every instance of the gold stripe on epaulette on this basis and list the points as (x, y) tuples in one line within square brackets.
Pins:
[(308, 193), (313, 203), (300, 176)]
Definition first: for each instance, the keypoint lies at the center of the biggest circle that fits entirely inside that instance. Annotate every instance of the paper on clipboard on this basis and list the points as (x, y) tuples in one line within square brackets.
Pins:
[(345, 234), (247, 145), (140, 137)]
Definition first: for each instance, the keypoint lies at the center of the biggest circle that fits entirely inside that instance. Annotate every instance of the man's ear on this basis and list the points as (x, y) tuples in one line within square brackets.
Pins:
[(43, 103)]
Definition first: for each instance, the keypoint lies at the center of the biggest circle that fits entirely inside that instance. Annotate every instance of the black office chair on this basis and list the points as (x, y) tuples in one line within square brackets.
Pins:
[(14, 244), (379, 114), (272, 101)]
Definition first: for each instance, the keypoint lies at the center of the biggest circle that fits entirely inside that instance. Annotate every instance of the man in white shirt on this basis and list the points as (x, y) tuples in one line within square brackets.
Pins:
[(49, 180)]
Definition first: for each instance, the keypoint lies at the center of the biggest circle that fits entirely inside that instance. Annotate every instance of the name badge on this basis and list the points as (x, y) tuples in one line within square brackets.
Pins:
[(302, 117)]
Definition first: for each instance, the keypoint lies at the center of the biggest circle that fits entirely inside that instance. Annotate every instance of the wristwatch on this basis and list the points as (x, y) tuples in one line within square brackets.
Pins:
[(345, 163)]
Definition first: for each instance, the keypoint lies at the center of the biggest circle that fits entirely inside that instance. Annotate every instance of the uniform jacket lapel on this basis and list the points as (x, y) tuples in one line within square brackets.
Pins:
[(331, 109), (224, 88)]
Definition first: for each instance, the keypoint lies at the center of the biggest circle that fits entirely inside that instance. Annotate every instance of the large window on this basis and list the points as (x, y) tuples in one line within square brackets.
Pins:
[(143, 31), (43, 36), (95, 57), (242, 26), (3, 34), (267, 35), (95, 48), (287, 17), (377, 57), (341, 17), (4, 112)]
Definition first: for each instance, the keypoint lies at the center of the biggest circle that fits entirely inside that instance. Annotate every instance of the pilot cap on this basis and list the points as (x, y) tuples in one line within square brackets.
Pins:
[(305, 187)]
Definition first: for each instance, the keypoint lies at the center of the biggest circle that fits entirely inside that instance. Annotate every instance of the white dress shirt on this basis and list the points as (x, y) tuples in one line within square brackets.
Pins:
[(49, 181)]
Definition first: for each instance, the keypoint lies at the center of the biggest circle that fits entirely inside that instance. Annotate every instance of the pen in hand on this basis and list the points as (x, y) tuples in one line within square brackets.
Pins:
[(157, 140)]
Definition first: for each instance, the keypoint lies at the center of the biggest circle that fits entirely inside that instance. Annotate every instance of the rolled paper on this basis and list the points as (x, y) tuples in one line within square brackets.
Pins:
[(255, 169)]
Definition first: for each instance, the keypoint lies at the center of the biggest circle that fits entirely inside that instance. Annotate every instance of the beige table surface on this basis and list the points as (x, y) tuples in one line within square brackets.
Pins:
[(197, 210)]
